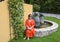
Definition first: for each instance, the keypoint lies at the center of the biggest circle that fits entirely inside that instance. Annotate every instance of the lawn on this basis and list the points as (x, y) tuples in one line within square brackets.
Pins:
[(55, 37)]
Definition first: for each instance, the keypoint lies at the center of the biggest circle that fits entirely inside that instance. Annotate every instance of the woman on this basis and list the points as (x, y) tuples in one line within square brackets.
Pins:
[(30, 23)]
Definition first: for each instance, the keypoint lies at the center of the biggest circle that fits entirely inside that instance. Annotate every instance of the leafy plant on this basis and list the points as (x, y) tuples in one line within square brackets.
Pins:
[(16, 17), (36, 8)]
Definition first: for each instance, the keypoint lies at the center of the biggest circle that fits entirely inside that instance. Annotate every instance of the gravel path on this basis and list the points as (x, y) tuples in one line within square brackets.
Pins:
[(52, 15)]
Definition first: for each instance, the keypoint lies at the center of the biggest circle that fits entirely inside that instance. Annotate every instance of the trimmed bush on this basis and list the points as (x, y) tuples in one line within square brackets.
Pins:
[(16, 17)]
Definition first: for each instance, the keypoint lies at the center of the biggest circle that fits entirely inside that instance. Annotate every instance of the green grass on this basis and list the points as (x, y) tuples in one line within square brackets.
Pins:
[(54, 37)]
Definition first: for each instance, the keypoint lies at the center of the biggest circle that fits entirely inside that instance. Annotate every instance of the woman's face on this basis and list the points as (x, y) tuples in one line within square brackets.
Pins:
[(30, 17)]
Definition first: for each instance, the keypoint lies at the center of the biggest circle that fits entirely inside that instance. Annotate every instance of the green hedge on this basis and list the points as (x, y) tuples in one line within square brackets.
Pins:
[(47, 6), (36, 8), (16, 17)]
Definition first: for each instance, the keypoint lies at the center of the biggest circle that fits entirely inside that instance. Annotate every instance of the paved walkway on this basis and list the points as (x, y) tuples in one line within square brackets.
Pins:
[(52, 15)]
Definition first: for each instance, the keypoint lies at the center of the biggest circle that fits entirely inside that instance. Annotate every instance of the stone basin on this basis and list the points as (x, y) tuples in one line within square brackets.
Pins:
[(41, 32)]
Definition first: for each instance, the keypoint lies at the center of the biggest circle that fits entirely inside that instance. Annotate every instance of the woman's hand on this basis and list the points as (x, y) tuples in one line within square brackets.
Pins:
[(32, 27), (29, 28)]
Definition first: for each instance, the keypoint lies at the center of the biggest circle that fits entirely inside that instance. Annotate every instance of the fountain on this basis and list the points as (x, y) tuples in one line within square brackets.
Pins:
[(39, 20), (36, 17), (43, 27)]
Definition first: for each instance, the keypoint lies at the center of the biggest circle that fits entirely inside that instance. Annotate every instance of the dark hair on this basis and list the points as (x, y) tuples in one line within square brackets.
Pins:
[(29, 16)]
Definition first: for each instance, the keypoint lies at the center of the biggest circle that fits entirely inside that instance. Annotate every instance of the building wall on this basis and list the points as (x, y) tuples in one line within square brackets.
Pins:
[(4, 20), (27, 10)]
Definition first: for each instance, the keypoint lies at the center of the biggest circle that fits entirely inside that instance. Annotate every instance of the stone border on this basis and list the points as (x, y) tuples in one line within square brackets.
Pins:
[(46, 31)]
